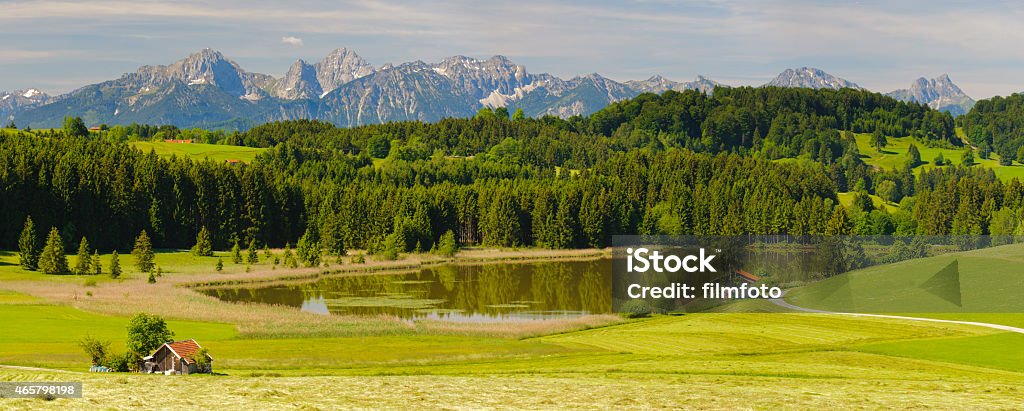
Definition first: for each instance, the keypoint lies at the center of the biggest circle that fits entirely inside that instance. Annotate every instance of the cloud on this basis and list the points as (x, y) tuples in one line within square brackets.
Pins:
[(292, 41)]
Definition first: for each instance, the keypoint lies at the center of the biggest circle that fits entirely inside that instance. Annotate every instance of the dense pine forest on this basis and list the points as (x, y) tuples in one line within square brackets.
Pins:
[(743, 160)]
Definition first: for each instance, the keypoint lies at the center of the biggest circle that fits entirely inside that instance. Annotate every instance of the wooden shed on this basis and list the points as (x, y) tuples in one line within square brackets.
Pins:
[(176, 357)]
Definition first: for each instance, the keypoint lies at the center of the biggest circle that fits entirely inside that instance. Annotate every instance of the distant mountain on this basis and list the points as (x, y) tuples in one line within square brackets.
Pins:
[(809, 77), (658, 84), (938, 93), (206, 89), (18, 101)]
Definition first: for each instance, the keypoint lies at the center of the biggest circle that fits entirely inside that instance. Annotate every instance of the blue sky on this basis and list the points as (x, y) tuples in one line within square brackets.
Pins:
[(59, 45)]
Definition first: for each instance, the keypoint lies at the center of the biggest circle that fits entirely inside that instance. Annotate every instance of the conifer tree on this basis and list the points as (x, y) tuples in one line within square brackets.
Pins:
[(143, 253), (53, 260), (115, 265), (203, 247), (83, 262), (251, 256), (220, 264), (236, 253), (28, 250), (97, 266)]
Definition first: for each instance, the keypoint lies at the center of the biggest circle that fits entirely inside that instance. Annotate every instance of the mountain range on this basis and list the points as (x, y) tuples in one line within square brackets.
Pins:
[(206, 89)]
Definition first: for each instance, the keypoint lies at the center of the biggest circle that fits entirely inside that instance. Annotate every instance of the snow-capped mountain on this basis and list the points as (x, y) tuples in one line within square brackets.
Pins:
[(809, 77), (939, 93), (20, 100), (658, 84), (206, 89)]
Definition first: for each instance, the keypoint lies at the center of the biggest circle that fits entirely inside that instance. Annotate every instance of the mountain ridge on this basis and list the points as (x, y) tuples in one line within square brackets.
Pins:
[(207, 89)]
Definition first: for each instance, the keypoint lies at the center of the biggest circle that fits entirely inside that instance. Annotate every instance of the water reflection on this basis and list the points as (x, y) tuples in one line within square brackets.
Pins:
[(451, 292)]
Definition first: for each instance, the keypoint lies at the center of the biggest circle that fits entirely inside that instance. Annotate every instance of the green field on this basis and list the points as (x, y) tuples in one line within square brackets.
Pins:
[(894, 155), (846, 199), (990, 281), (214, 152), (710, 360)]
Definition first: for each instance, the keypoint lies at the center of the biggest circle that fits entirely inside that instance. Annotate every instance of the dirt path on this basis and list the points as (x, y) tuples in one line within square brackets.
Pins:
[(783, 303)]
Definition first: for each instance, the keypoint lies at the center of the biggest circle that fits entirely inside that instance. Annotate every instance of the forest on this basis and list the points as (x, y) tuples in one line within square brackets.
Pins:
[(744, 160)]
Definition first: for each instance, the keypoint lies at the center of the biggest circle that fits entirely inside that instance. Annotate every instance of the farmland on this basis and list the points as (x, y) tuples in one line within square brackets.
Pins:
[(727, 360)]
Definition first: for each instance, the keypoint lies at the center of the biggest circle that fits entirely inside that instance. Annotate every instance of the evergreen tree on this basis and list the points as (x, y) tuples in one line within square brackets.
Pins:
[(115, 265), (878, 140), (308, 250), (913, 156), (143, 253), (446, 245), (236, 253), (53, 260), (97, 266), (203, 247), (518, 114), (75, 127), (220, 264), (839, 223), (251, 256), (967, 159), (83, 261), (11, 125), (28, 250), (152, 277), (289, 258)]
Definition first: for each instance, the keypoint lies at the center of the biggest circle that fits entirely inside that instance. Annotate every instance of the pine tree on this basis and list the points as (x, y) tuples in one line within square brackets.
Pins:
[(251, 256), (266, 252), (220, 264), (289, 258), (152, 277), (83, 261), (53, 260), (28, 250), (143, 253), (203, 247), (115, 265), (97, 267), (236, 253), (308, 249)]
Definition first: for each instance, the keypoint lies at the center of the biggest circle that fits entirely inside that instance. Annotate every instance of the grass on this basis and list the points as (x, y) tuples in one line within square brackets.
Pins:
[(703, 360), (989, 280), (46, 335), (275, 357), (1000, 351), (894, 155), (214, 152), (846, 199)]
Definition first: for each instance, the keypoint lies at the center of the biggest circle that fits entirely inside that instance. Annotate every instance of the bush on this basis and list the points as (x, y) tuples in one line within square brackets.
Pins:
[(119, 363), (635, 309), (95, 349)]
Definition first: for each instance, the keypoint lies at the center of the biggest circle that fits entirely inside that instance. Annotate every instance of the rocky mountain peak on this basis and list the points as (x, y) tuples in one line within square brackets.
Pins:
[(939, 93), (810, 77), (339, 67), (300, 82)]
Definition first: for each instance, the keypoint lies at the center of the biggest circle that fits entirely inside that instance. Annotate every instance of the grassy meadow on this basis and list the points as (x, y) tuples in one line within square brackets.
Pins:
[(279, 357), (894, 155), (196, 151)]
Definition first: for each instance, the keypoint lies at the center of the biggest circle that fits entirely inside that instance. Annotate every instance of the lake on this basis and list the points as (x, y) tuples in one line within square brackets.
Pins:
[(490, 292)]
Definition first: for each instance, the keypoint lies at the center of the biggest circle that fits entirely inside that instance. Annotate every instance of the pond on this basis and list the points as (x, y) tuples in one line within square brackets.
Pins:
[(491, 292)]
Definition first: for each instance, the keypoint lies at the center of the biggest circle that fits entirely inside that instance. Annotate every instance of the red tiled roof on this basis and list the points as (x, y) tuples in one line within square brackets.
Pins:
[(184, 349)]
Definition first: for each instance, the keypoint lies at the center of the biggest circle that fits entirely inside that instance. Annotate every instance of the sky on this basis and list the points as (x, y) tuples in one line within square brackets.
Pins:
[(57, 46)]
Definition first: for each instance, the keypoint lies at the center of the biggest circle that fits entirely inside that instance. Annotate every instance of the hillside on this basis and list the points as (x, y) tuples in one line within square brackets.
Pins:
[(989, 281)]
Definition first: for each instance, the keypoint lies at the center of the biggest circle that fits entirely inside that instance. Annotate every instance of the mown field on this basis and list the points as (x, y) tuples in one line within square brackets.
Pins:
[(214, 152), (276, 357)]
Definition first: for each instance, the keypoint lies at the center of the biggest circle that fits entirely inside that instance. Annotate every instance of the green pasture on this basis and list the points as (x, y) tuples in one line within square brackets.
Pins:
[(894, 155), (214, 152)]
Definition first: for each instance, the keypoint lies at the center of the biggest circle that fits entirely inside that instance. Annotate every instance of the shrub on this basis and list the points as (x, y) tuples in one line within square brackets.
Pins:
[(96, 350), (635, 309)]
